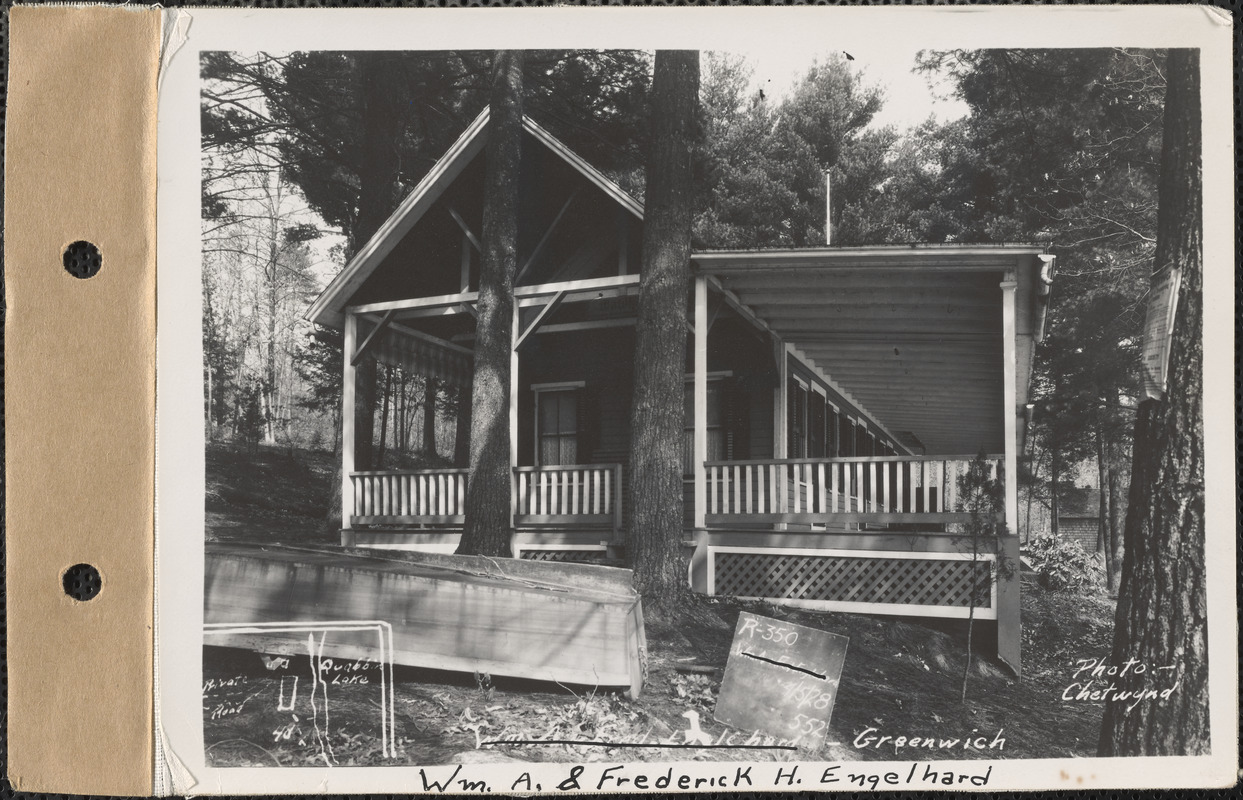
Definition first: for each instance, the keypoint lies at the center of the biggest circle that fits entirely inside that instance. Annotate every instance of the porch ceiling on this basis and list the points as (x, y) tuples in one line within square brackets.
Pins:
[(914, 334)]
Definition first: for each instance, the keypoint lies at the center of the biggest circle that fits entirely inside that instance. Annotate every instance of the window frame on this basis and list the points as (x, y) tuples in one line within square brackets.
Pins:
[(539, 389)]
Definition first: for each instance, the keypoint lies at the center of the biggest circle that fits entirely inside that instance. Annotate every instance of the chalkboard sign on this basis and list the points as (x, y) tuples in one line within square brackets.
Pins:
[(781, 680)]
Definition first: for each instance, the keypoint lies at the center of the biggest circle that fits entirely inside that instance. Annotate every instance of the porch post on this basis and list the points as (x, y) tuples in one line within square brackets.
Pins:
[(781, 428), (515, 328), (780, 434), (348, 388), (1010, 367), (699, 450), (701, 400), (1009, 622)]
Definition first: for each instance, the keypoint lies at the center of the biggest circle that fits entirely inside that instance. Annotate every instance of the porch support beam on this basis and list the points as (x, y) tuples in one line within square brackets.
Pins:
[(371, 337), (515, 322), (348, 388), (435, 340), (470, 235), (525, 294), (543, 242), (1009, 631), (539, 318), (697, 570), (743, 310), (701, 399)]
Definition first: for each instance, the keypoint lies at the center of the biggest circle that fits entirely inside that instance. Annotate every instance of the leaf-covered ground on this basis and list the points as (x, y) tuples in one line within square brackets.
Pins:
[(901, 677)]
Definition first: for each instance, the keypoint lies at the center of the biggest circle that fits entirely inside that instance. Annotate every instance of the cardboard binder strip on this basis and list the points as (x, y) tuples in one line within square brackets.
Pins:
[(80, 396)]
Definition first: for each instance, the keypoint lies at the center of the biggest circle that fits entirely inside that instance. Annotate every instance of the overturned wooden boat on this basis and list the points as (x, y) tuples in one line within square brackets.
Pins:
[(572, 623)]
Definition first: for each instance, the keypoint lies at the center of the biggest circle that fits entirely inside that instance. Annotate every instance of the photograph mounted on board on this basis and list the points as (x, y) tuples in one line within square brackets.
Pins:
[(665, 406)]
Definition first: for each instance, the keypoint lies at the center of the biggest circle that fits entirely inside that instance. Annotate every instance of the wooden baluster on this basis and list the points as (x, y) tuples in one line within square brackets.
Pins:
[(608, 495), (758, 488), (809, 489), (858, 487), (746, 487), (795, 488), (899, 493), (824, 506), (871, 486), (886, 500), (951, 486), (926, 480), (711, 488)]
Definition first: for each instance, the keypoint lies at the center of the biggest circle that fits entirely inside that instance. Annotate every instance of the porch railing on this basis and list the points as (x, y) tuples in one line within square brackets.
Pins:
[(588, 494), (585, 494), (410, 497), (880, 489)]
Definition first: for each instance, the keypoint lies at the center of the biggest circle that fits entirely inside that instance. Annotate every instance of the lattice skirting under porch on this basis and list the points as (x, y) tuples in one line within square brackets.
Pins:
[(878, 582), (581, 555)]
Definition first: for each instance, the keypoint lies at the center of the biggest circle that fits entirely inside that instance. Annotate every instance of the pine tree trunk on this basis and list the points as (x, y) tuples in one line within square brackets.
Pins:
[(1115, 535), (269, 362), (429, 416), (384, 409), (1054, 477), (1102, 478), (487, 530), (461, 435), (381, 92), (1161, 617), (660, 337)]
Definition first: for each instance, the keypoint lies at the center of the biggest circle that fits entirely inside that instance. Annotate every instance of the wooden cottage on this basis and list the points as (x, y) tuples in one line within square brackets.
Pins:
[(833, 394)]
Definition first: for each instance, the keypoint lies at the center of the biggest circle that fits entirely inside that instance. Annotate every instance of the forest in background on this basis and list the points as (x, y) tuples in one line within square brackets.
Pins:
[(305, 155)]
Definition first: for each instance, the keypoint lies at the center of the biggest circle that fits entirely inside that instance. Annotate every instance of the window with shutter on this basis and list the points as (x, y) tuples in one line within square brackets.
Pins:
[(815, 426), (797, 421), (718, 433)]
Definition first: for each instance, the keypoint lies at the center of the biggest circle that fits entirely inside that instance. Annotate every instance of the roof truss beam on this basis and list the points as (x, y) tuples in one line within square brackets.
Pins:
[(371, 338), (543, 314)]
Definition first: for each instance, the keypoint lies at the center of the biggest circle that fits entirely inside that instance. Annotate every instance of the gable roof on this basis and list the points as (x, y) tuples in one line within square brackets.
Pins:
[(327, 308)]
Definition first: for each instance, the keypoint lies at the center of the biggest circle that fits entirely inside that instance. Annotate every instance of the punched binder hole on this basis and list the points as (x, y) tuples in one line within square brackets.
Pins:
[(82, 260), (82, 582)]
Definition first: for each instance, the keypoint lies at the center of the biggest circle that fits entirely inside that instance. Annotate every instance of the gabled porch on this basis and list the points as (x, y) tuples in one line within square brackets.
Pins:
[(833, 395)]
